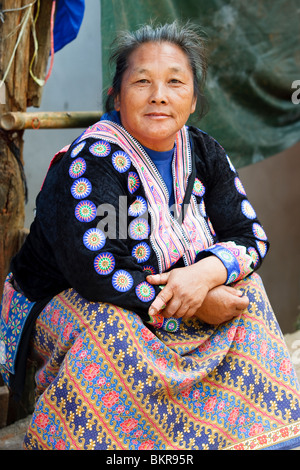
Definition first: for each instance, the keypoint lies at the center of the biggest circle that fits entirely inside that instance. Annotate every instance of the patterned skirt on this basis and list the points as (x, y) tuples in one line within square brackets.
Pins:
[(108, 382)]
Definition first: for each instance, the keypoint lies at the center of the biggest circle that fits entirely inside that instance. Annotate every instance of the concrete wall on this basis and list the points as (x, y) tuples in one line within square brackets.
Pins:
[(274, 190), (272, 185)]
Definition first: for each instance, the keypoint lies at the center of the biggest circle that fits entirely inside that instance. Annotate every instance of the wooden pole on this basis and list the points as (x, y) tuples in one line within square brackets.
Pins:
[(15, 58), (49, 120), (16, 46), (11, 144)]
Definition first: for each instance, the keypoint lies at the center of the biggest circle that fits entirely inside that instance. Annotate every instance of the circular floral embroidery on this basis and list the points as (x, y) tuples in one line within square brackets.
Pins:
[(254, 255), (139, 229), (239, 186), (149, 269), (262, 248), (259, 232), (248, 210), (122, 281), (77, 168), (138, 207), (198, 188), (141, 252), (100, 148), (76, 150), (85, 211), (121, 161), (81, 188), (145, 292), (133, 182), (94, 239), (104, 263), (171, 324)]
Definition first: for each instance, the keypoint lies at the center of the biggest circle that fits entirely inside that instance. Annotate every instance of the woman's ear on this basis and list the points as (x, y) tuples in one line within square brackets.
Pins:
[(194, 104), (117, 103)]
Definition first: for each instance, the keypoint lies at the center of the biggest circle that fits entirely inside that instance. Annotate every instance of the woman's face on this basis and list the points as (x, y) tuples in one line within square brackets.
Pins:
[(157, 94)]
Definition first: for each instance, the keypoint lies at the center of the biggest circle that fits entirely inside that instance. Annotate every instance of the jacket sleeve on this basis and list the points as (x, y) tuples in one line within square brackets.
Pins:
[(90, 250), (240, 241)]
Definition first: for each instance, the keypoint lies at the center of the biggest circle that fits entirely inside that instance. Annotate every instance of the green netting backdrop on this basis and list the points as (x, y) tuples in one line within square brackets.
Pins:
[(254, 58)]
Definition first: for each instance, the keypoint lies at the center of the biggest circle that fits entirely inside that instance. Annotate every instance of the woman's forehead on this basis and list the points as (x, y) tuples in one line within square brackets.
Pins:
[(146, 55)]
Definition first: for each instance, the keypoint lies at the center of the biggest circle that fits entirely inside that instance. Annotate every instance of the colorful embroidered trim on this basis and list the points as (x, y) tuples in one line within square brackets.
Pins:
[(178, 240), (14, 311)]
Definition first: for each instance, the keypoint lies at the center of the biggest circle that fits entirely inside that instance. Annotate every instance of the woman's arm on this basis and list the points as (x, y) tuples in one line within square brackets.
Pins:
[(192, 291), (239, 246), (88, 229), (198, 290)]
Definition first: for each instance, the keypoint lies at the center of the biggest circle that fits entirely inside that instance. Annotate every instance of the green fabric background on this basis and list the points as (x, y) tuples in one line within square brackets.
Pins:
[(254, 58)]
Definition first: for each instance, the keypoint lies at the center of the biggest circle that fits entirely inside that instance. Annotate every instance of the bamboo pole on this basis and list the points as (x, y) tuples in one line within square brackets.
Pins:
[(48, 120)]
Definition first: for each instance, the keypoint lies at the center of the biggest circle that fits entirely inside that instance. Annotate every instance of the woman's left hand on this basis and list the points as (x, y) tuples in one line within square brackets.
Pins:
[(186, 288)]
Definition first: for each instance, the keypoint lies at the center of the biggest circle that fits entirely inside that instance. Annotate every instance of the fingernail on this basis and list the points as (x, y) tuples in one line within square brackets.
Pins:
[(151, 311)]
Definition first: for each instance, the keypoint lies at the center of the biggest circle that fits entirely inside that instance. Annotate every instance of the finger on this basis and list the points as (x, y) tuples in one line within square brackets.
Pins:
[(173, 309), (243, 302), (158, 278), (187, 313), (160, 301), (236, 292)]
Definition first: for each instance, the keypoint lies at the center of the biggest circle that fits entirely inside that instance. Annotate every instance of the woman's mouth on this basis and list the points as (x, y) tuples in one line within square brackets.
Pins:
[(157, 115)]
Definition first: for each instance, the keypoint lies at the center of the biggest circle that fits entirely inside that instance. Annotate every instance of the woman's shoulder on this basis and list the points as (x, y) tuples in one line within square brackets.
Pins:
[(208, 152), (205, 140)]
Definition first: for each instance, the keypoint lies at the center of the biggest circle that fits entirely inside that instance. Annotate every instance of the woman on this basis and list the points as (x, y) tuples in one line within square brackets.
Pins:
[(150, 329)]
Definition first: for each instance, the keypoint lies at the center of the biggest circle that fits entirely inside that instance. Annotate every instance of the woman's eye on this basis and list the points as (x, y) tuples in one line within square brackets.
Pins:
[(143, 80), (174, 80)]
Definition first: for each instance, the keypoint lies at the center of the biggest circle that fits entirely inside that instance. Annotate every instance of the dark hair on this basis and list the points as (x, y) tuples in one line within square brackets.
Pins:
[(186, 37)]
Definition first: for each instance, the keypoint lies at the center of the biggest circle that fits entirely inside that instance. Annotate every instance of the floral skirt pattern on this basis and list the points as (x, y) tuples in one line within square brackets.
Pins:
[(107, 382)]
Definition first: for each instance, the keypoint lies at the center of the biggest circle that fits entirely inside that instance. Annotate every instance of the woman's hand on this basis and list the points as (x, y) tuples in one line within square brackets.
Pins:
[(186, 288), (222, 304)]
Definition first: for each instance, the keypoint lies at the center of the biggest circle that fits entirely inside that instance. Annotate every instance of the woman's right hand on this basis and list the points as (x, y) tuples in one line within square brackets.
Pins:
[(221, 304)]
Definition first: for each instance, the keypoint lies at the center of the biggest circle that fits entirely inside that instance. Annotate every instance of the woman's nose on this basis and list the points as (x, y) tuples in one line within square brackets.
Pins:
[(159, 94)]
